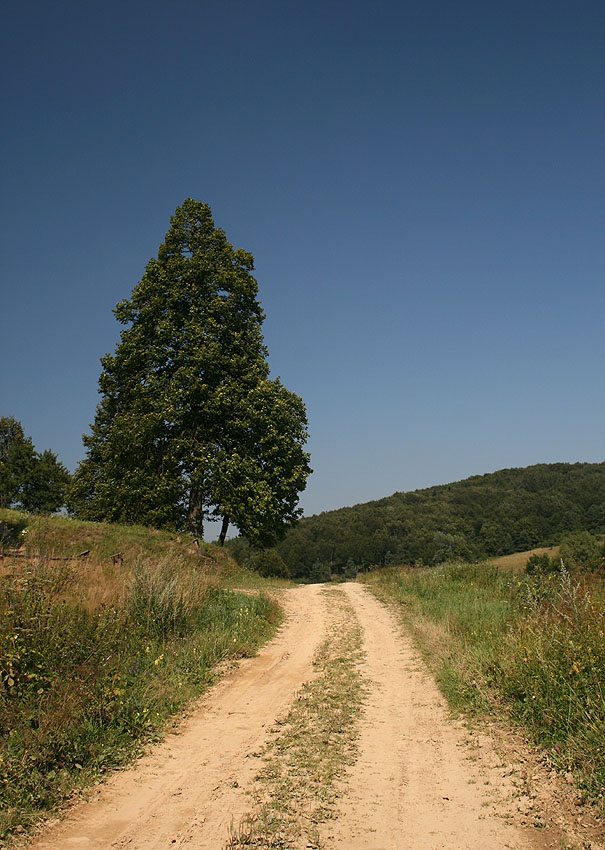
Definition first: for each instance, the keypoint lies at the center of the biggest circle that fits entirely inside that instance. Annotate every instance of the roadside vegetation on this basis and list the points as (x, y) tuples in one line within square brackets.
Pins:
[(97, 652), (530, 644)]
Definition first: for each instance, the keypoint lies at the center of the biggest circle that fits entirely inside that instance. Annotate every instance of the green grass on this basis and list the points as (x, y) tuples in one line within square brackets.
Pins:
[(62, 537), (531, 646), (96, 656), (236, 577)]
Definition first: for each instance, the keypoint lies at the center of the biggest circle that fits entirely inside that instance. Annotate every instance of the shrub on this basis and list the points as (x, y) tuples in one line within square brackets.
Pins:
[(581, 550), (542, 564), (350, 570), (319, 572), (269, 563)]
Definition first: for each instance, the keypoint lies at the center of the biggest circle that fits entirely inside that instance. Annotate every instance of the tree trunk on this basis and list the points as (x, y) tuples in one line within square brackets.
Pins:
[(223, 533), (195, 514)]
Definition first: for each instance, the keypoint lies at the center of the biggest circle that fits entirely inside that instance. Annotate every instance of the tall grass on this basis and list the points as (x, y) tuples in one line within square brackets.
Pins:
[(93, 661), (532, 645)]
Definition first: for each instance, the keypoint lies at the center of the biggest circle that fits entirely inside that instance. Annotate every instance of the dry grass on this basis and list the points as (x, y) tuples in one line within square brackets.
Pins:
[(516, 562), (62, 537)]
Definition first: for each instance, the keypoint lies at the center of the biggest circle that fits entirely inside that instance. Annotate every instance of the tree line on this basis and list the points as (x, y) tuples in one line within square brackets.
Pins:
[(511, 510)]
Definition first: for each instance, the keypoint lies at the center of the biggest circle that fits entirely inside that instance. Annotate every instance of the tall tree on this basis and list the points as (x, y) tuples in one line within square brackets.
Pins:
[(189, 425), (45, 489), (28, 480), (17, 456)]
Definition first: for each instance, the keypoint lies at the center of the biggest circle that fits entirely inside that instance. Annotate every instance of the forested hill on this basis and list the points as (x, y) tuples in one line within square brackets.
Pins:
[(506, 511)]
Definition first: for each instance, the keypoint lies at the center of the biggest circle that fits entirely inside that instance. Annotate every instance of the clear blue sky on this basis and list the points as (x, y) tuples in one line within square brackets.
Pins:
[(421, 184)]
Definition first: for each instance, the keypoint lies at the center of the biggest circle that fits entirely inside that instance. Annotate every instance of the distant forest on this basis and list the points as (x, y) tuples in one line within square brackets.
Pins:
[(507, 511)]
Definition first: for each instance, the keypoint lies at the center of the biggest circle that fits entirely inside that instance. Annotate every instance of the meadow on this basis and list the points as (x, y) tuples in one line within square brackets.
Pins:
[(98, 652)]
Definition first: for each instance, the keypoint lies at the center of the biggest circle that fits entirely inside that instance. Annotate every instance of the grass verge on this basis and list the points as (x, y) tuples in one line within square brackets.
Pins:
[(94, 659), (304, 762), (531, 645), (62, 537)]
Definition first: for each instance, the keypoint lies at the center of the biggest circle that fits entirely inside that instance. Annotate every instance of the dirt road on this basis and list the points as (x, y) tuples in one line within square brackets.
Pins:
[(411, 787)]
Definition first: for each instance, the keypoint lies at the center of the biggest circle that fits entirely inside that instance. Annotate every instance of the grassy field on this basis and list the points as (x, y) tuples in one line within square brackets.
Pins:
[(532, 646), (517, 561), (98, 652)]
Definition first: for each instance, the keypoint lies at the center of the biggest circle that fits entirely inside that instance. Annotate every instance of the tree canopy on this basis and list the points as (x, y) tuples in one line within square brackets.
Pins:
[(190, 426)]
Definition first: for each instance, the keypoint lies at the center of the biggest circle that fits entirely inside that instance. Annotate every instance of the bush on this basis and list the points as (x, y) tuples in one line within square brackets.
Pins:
[(319, 572), (269, 564), (350, 571), (542, 564), (581, 550)]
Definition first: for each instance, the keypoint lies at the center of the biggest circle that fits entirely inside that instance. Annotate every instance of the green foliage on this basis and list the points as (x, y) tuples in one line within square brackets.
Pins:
[(45, 489), (582, 550), (269, 564), (28, 480), (319, 572), (190, 426), (350, 570), (483, 516), (534, 645), (16, 459), (239, 549), (541, 563)]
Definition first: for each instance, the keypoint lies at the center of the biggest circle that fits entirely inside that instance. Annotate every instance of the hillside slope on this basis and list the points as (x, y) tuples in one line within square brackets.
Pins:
[(485, 515)]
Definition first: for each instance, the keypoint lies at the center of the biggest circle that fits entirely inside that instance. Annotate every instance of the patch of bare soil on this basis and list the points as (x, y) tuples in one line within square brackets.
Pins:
[(525, 789)]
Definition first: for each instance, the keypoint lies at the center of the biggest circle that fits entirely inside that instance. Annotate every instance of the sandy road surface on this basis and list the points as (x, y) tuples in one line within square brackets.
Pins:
[(412, 787)]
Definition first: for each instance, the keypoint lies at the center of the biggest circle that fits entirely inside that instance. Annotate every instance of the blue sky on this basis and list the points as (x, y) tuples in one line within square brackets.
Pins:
[(421, 184)]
